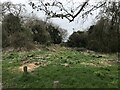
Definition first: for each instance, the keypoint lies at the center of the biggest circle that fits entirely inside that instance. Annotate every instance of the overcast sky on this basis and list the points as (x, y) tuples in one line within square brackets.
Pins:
[(77, 24)]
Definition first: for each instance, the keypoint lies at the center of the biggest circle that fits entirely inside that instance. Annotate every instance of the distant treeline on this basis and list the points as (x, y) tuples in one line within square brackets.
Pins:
[(102, 37), (19, 31), (19, 34)]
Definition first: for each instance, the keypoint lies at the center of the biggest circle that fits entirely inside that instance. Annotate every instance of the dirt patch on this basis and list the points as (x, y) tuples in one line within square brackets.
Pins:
[(32, 66)]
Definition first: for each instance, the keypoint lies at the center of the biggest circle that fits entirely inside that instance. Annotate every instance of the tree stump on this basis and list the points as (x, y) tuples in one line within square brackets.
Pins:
[(56, 85), (25, 69)]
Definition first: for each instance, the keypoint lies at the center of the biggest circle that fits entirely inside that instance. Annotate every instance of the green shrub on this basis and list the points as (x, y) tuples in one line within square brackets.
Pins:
[(77, 39)]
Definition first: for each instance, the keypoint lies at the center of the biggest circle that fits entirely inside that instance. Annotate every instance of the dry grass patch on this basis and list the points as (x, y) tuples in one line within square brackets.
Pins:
[(86, 63), (100, 63)]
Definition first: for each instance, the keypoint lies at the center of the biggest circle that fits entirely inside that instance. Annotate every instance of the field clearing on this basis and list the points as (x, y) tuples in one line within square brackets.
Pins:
[(71, 68)]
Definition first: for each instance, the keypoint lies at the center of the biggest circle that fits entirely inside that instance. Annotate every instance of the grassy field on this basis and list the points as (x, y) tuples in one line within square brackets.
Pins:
[(71, 68)]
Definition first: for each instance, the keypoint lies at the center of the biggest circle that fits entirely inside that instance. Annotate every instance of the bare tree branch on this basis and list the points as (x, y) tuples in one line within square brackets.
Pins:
[(16, 9), (63, 12), (84, 4)]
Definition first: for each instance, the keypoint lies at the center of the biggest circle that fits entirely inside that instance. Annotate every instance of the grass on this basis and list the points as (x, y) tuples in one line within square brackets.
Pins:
[(83, 70)]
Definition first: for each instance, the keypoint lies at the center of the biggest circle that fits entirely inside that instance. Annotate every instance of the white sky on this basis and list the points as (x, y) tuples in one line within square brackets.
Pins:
[(78, 23)]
